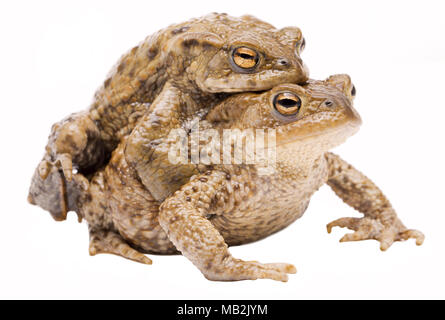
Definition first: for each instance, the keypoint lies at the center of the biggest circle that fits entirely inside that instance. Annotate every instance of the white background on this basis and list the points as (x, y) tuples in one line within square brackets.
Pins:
[(55, 54)]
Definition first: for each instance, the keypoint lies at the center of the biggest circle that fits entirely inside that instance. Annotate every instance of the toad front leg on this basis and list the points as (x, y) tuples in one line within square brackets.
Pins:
[(183, 217), (75, 139), (148, 145), (380, 221)]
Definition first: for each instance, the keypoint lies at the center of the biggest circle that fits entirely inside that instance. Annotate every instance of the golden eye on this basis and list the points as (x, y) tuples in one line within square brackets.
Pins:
[(287, 103), (245, 58)]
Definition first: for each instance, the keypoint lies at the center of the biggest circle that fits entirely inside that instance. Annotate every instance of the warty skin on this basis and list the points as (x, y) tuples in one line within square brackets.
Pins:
[(202, 60), (225, 205)]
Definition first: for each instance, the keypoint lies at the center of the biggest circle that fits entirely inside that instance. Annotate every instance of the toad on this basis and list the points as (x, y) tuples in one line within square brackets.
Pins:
[(200, 61), (229, 204)]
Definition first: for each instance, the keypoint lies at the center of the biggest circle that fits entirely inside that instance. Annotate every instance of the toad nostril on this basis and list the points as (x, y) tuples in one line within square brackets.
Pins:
[(328, 103), (353, 91)]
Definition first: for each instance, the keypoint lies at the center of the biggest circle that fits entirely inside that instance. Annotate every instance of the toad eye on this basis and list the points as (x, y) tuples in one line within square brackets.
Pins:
[(245, 58), (287, 103)]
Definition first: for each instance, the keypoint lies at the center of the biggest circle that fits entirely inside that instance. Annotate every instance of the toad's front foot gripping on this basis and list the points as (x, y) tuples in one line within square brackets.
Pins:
[(184, 217), (54, 186), (74, 141), (62, 162), (54, 193), (366, 228), (104, 241)]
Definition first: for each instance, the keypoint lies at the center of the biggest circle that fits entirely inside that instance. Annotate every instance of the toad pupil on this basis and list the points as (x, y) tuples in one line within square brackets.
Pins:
[(245, 56), (287, 103)]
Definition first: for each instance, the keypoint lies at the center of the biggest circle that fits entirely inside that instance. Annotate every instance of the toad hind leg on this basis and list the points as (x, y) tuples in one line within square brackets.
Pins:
[(380, 221), (183, 217), (105, 241)]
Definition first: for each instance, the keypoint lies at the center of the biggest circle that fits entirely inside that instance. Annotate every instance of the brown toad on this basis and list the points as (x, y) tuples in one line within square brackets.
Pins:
[(201, 60), (233, 204)]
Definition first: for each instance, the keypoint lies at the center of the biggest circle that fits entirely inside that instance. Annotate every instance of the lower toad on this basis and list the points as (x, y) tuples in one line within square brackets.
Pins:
[(233, 204)]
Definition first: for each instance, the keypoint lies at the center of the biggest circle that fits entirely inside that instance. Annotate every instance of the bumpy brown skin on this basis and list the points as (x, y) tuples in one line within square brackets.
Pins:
[(191, 60), (194, 57), (228, 205)]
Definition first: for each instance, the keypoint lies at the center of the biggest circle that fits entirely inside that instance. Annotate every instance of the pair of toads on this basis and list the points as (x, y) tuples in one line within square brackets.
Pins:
[(112, 163)]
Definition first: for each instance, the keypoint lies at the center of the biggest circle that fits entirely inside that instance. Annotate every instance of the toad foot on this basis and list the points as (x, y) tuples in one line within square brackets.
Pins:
[(236, 269), (102, 241), (366, 228)]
